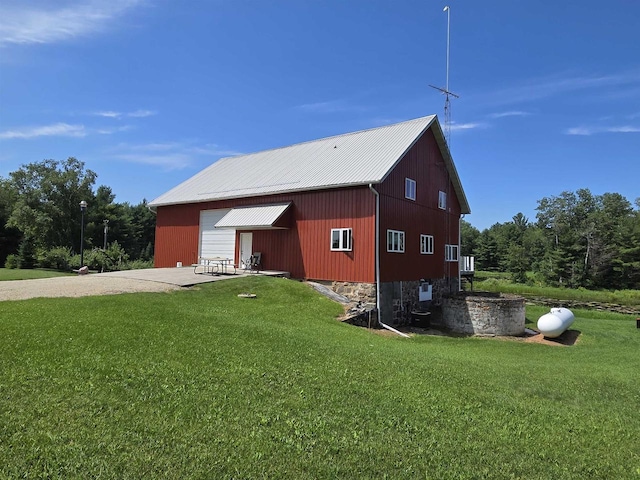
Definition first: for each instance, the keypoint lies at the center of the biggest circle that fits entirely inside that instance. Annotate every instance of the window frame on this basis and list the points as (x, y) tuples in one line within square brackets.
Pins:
[(449, 251), (342, 240), (395, 241), (442, 200), (410, 187), (426, 244)]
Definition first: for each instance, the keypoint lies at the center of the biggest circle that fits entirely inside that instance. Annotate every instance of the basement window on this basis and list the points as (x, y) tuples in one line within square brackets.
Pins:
[(395, 241), (426, 244), (409, 189), (341, 240), (442, 200), (451, 253)]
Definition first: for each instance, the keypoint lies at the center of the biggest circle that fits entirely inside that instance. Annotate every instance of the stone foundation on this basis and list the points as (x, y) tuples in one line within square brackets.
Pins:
[(483, 313), (358, 292), (443, 287), (398, 299)]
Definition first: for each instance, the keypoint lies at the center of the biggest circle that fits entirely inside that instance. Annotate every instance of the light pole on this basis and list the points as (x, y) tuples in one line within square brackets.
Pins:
[(106, 229), (83, 207)]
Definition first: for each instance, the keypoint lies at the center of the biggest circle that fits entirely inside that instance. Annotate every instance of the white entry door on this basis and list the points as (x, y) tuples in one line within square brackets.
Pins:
[(246, 245)]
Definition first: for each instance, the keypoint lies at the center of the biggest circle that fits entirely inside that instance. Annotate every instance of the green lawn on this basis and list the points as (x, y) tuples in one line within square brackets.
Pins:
[(203, 384), (501, 282), (29, 274)]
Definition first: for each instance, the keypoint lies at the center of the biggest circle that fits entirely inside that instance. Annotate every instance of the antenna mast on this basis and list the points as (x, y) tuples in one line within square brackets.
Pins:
[(445, 90)]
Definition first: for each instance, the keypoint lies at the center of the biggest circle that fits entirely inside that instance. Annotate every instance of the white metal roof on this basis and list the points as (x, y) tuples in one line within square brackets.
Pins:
[(358, 158), (253, 218)]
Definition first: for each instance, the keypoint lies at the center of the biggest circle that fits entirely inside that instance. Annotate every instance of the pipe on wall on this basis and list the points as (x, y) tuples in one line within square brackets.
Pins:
[(377, 243), (460, 251)]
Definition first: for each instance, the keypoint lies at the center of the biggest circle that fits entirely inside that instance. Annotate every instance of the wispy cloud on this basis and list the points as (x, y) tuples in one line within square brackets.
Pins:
[(624, 129), (55, 130), (134, 114), (586, 131), (455, 127), (214, 150), (50, 23), (141, 113), (108, 114), (510, 113), (168, 161), (168, 155), (561, 84), (331, 106), (59, 129), (153, 147), (112, 130)]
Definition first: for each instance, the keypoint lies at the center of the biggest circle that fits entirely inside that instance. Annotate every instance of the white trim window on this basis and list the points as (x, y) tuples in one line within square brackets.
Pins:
[(451, 253), (426, 244), (410, 189), (442, 200), (395, 241), (341, 240)]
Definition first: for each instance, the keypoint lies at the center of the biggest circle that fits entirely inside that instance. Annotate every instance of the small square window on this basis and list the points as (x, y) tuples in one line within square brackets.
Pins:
[(426, 244), (395, 241), (409, 189), (341, 240), (442, 200), (451, 253)]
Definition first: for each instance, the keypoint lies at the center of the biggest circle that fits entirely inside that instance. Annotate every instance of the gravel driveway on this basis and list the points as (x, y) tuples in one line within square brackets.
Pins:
[(111, 283), (79, 286)]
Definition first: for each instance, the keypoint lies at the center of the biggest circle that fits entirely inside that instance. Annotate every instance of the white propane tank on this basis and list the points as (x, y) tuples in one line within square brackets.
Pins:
[(554, 323)]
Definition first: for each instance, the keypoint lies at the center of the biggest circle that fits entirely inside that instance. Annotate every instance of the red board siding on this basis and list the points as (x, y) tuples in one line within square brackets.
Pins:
[(303, 250), (424, 164), (177, 231)]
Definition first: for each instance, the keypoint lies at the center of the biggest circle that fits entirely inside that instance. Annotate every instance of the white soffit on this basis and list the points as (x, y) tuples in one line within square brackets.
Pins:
[(253, 218)]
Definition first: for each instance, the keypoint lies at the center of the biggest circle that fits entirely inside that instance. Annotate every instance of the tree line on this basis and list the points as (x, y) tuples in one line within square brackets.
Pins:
[(577, 240), (40, 220)]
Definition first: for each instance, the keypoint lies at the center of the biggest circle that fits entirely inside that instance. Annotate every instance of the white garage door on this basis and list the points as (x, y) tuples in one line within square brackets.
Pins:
[(216, 242)]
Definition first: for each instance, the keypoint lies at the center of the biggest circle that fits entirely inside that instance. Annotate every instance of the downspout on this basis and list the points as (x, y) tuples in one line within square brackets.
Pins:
[(377, 243), (460, 250)]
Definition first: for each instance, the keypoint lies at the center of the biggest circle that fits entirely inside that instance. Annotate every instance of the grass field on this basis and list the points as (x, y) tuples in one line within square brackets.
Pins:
[(29, 274), (501, 282), (203, 384)]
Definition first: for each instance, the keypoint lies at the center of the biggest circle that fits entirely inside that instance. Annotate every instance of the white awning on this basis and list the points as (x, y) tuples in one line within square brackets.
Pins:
[(261, 217)]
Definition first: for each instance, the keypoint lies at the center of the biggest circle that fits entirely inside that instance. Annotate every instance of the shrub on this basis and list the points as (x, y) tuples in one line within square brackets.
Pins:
[(113, 258), (137, 265), (58, 258), (12, 261), (117, 256), (74, 261), (95, 259)]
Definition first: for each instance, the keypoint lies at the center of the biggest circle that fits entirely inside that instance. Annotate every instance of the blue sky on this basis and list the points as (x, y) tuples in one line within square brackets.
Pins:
[(149, 92)]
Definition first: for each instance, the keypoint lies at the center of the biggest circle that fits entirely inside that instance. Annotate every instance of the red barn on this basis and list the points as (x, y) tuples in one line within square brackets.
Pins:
[(372, 214)]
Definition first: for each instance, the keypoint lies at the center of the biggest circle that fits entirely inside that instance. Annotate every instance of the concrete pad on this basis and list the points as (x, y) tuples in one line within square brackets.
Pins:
[(181, 276)]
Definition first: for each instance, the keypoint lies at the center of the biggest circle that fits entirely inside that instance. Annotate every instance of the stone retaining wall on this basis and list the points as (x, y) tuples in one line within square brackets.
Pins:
[(482, 313)]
